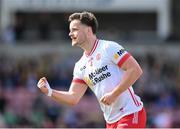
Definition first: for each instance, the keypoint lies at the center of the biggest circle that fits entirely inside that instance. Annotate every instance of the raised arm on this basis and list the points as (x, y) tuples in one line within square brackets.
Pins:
[(70, 97)]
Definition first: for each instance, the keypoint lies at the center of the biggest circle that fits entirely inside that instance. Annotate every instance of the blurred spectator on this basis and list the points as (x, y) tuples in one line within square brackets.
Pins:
[(163, 119), (8, 36)]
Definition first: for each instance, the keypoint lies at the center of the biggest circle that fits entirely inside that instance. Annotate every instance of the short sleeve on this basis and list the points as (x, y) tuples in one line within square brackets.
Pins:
[(77, 75), (117, 53)]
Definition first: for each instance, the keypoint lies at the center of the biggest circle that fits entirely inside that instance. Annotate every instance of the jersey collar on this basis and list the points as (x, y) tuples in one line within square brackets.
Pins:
[(93, 48)]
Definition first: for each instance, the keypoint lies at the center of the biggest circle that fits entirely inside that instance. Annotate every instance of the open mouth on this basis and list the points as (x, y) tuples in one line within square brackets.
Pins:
[(73, 38)]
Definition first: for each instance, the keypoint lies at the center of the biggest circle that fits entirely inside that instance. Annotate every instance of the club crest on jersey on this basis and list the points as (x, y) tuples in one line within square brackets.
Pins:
[(118, 54), (98, 56)]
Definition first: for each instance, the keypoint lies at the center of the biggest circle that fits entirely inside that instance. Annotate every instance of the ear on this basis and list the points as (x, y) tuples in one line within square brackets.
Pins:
[(90, 30)]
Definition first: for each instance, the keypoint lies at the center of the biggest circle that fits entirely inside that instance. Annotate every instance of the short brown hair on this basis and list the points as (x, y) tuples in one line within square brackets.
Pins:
[(86, 18)]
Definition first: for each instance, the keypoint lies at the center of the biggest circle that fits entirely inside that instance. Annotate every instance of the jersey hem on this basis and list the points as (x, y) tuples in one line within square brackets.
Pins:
[(128, 113)]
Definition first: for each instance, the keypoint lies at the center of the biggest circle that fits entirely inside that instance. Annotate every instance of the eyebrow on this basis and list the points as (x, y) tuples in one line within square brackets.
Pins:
[(74, 28)]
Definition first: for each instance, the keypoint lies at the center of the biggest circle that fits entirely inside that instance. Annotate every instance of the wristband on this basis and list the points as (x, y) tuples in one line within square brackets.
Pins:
[(49, 92)]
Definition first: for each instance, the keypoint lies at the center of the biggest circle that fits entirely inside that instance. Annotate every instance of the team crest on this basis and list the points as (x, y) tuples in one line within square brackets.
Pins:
[(98, 56)]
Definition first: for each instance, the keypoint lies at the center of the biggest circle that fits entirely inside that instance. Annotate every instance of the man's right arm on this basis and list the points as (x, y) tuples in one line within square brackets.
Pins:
[(70, 97)]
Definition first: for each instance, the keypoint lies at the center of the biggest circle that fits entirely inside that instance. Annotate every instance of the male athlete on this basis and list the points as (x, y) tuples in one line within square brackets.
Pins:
[(108, 70)]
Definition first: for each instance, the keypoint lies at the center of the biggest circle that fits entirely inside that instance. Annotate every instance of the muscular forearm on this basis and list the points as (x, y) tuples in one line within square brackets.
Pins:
[(64, 97), (129, 78), (70, 97)]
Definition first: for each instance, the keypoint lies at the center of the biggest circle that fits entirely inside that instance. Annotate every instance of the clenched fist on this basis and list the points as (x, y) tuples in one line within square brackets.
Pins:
[(44, 86)]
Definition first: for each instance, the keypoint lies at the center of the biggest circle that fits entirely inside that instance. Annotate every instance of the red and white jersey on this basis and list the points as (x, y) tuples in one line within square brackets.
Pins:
[(101, 71)]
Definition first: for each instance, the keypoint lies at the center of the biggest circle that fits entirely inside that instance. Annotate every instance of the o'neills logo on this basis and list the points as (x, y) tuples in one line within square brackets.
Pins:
[(99, 74)]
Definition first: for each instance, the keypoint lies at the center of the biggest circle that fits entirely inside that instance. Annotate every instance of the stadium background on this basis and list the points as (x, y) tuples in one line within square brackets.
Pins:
[(34, 42)]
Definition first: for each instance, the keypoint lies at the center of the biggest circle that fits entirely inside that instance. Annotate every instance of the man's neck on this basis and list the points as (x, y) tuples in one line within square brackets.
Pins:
[(89, 44)]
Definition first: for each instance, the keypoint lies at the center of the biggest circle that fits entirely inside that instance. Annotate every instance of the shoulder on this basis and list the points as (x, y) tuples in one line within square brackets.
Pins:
[(80, 62), (106, 44)]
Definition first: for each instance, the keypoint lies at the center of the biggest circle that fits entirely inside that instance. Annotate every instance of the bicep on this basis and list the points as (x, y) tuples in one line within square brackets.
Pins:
[(130, 63), (78, 90)]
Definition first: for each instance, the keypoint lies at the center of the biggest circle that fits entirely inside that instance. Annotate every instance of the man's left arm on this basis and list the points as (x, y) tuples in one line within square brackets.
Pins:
[(132, 71)]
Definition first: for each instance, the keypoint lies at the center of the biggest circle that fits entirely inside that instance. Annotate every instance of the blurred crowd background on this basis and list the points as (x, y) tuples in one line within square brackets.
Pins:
[(34, 43)]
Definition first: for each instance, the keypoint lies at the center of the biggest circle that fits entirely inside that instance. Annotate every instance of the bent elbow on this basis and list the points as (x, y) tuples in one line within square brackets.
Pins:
[(73, 102), (137, 72)]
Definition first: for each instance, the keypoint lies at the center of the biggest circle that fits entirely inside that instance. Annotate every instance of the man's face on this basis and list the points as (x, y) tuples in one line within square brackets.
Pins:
[(77, 33)]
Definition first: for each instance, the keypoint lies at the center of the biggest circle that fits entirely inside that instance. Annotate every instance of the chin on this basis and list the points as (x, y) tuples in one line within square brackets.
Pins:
[(74, 44)]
